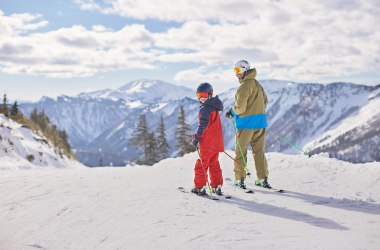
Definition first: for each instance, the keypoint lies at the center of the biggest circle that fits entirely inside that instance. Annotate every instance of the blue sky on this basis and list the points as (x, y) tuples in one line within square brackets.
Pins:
[(67, 47)]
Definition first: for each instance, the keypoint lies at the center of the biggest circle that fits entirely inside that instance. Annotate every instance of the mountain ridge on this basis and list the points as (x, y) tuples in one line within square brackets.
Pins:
[(300, 112)]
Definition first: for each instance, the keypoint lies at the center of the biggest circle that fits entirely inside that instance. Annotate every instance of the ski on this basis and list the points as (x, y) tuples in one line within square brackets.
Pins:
[(247, 190), (278, 190), (211, 197), (226, 196), (272, 189)]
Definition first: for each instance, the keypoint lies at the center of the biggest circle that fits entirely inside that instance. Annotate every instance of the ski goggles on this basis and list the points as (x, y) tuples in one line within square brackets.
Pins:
[(238, 70), (202, 95)]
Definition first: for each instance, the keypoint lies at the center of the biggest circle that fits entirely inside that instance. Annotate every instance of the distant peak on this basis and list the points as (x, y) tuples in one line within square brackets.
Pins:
[(144, 83)]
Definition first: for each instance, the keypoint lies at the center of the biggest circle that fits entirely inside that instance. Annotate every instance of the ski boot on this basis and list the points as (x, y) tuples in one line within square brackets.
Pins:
[(217, 190), (199, 191), (263, 183), (240, 183)]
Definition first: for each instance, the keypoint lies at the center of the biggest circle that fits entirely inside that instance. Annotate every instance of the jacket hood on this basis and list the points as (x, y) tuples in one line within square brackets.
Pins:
[(214, 102), (251, 74)]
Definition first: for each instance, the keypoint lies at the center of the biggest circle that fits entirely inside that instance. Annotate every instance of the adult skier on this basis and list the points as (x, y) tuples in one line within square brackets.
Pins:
[(250, 122)]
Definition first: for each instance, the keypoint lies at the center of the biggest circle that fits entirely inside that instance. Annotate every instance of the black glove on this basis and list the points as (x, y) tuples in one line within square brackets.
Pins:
[(195, 140), (229, 114)]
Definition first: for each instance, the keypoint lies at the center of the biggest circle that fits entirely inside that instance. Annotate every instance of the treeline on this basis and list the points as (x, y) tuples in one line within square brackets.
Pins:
[(38, 122), (154, 148)]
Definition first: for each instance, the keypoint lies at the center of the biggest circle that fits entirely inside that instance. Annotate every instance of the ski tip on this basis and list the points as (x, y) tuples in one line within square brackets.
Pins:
[(277, 190), (227, 197)]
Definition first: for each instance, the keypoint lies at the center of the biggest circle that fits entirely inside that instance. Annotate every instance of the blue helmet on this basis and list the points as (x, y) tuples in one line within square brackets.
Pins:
[(205, 87)]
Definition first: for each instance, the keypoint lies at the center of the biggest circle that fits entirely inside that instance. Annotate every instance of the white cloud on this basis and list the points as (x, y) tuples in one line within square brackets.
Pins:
[(212, 75), (76, 51), (180, 10), (88, 5), (291, 40), (300, 39), (20, 23), (295, 40)]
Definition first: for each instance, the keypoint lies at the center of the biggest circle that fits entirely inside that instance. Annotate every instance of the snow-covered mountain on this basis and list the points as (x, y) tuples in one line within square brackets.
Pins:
[(324, 207), (143, 91), (100, 123), (20, 148), (305, 112), (357, 139), (301, 113)]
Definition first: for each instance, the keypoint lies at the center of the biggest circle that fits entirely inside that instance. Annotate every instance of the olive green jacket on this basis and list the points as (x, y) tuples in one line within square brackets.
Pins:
[(250, 103)]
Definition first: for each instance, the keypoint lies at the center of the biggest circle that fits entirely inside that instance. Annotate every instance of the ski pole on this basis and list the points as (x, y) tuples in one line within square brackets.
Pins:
[(204, 172), (241, 151), (238, 162), (287, 141)]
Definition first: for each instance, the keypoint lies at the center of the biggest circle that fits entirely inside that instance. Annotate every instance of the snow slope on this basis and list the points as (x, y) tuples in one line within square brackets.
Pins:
[(329, 204), (18, 144)]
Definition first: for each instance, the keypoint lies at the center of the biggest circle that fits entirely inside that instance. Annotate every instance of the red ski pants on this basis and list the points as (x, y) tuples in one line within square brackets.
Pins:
[(209, 164)]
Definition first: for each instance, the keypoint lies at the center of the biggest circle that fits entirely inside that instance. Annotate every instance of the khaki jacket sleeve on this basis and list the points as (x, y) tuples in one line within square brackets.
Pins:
[(241, 98)]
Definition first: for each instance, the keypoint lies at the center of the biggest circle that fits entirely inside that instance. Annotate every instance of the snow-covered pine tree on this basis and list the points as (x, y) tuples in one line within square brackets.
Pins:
[(140, 137), (183, 136), (162, 143)]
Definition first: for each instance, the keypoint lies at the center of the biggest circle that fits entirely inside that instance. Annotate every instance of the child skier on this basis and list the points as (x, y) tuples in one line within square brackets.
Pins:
[(209, 135)]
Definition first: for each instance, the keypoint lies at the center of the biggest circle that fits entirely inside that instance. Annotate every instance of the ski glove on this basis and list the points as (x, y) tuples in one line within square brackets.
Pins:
[(229, 114), (195, 140)]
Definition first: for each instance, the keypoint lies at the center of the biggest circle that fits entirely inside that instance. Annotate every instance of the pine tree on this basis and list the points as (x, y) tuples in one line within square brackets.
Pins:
[(40, 121), (152, 156), (64, 141), (14, 109), (4, 107), (15, 113), (140, 136), (34, 115), (43, 121), (162, 143), (182, 134)]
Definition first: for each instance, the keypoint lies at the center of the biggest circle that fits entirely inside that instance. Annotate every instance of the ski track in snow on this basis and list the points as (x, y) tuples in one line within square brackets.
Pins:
[(328, 204)]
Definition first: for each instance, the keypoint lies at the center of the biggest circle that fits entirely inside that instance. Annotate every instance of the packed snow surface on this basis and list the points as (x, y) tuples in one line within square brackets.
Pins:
[(328, 204)]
